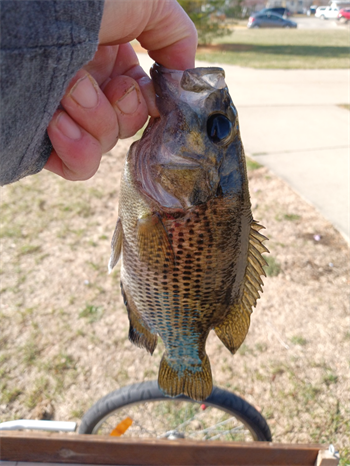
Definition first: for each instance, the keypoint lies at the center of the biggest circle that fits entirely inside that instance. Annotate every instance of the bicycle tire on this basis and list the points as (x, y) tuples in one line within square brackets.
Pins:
[(146, 392)]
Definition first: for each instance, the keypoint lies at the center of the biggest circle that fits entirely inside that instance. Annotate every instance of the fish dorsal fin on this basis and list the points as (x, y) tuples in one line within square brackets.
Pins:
[(252, 280), (233, 330), (116, 245)]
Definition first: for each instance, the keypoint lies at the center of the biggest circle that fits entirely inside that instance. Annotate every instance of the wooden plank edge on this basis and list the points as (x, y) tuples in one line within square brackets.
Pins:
[(328, 457), (93, 449)]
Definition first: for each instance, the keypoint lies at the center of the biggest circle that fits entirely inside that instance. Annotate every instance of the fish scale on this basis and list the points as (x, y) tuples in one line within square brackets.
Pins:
[(191, 251)]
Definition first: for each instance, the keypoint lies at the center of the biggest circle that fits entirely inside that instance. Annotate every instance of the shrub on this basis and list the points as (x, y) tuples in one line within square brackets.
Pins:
[(209, 18)]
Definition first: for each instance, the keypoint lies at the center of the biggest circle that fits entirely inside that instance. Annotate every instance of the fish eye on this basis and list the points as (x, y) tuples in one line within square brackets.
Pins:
[(218, 127)]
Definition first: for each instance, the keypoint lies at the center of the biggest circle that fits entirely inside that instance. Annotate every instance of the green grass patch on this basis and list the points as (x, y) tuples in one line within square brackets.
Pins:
[(345, 457), (38, 393), (8, 396), (281, 49), (330, 378), (298, 340), (252, 164), (30, 351), (261, 347), (91, 313), (345, 106), (245, 350), (62, 362), (28, 249), (291, 217), (272, 268)]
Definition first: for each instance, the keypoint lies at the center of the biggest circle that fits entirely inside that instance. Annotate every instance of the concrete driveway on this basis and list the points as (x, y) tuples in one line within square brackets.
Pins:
[(292, 123)]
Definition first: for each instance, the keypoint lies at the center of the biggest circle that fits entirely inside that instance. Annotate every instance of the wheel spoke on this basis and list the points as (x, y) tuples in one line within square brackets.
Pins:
[(156, 416)]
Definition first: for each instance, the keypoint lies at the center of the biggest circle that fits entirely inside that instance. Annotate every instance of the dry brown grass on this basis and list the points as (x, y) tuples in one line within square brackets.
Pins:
[(63, 339)]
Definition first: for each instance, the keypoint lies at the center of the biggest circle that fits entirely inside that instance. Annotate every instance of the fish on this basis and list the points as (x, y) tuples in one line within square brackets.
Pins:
[(190, 250)]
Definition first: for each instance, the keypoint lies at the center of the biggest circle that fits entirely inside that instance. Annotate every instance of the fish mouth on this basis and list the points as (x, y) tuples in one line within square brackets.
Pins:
[(163, 79), (197, 80)]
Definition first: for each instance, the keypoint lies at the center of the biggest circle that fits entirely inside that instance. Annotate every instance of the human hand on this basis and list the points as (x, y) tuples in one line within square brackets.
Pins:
[(111, 97)]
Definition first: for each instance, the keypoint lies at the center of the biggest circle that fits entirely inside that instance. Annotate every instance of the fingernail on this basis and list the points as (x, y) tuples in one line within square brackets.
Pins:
[(129, 102), (84, 93), (67, 126)]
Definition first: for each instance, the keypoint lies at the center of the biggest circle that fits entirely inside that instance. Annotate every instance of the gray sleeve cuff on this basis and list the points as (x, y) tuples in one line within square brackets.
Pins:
[(43, 44)]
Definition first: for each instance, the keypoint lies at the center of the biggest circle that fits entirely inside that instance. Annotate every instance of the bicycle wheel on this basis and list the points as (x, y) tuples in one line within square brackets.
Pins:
[(145, 412)]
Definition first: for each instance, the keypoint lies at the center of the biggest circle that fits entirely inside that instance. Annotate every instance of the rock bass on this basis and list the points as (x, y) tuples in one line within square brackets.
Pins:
[(191, 251)]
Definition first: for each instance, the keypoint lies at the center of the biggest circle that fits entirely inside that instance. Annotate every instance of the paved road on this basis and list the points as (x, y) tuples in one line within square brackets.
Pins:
[(291, 122), (311, 22)]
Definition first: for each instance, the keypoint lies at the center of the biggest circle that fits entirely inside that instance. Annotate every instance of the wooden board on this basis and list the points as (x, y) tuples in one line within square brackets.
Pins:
[(97, 450)]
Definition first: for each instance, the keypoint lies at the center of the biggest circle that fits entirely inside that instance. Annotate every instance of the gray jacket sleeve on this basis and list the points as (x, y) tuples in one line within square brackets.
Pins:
[(43, 44)]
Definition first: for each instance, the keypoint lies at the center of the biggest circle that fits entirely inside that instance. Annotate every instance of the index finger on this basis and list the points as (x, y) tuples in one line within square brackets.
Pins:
[(170, 37), (161, 26)]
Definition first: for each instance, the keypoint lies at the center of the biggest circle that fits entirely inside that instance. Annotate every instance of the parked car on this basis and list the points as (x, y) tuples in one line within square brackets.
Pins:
[(320, 12), (328, 12), (270, 20), (277, 10), (312, 10), (344, 15)]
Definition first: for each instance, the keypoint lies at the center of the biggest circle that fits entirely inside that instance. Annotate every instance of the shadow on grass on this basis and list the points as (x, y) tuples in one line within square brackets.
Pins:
[(320, 51)]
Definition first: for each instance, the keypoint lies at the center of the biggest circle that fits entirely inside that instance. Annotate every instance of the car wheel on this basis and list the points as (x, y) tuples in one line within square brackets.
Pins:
[(256, 26), (322, 17)]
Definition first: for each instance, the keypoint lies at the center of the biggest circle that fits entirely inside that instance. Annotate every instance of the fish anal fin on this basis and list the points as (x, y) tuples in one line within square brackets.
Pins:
[(117, 242), (139, 332), (233, 330), (153, 240), (195, 382)]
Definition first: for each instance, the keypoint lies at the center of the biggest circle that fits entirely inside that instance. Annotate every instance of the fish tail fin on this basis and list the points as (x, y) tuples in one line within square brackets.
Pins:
[(195, 382)]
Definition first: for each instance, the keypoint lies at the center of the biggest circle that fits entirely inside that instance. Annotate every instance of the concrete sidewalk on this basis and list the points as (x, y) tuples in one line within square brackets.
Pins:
[(291, 122)]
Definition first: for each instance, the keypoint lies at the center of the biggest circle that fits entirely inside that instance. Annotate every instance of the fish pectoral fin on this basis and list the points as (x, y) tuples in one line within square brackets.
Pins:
[(139, 332), (116, 245), (193, 381), (233, 330), (153, 240)]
